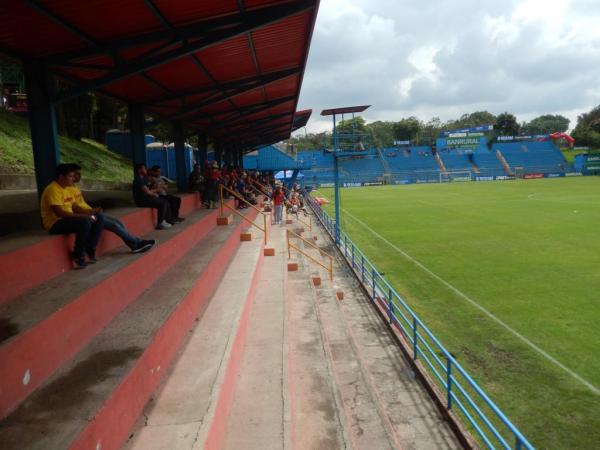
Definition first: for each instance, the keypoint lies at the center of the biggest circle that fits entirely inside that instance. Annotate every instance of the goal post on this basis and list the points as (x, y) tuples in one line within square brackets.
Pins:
[(455, 175)]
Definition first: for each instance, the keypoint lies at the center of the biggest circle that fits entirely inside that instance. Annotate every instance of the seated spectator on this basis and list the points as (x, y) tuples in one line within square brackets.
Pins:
[(159, 182), (146, 197), (136, 244), (60, 215), (196, 182)]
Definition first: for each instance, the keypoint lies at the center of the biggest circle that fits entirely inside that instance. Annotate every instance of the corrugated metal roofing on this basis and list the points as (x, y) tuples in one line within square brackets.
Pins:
[(224, 67)]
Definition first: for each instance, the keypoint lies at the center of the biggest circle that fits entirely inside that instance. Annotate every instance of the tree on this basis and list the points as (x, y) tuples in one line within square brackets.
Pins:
[(587, 131), (357, 125), (407, 129), (472, 120), (547, 124), (382, 133), (507, 125)]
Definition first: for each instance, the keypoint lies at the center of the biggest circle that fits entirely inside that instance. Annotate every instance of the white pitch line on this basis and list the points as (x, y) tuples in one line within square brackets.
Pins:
[(550, 358)]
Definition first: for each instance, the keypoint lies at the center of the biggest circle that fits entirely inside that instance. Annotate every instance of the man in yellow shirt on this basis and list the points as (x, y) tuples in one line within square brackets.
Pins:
[(136, 244), (61, 215)]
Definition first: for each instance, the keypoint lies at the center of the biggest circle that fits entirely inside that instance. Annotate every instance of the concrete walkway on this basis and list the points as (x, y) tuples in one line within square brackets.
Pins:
[(291, 367)]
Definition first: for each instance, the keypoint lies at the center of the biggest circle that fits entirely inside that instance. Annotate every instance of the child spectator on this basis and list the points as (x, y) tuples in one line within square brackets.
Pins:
[(146, 197), (159, 183)]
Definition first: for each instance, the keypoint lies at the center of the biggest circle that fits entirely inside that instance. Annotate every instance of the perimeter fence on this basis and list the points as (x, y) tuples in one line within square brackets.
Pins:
[(460, 392)]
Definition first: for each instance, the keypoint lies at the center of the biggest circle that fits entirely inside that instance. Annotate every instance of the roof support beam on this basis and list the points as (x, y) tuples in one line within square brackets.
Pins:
[(251, 109), (48, 13), (247, 84), (252, 20)]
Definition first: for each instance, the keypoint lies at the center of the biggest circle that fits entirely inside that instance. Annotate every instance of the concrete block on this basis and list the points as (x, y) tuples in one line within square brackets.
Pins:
[(245, 236), (316, 281), (292, 267), (339, 295), (289, 221), (315, 238), (300, 230), (269, 252), (224, 220)]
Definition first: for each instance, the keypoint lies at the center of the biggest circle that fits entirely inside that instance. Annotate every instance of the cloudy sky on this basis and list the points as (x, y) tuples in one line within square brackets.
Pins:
[(448, 57)]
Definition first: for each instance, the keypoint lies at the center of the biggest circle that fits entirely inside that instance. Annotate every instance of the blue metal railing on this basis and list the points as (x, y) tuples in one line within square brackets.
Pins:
[(463, 394)]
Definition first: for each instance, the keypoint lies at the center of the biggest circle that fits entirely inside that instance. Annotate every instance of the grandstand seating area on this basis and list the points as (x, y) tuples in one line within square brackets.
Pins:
[(417, 164), (534, 157)]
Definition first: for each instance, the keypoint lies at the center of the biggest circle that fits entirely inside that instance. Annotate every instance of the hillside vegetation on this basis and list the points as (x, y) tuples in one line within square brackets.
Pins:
[(16, 154)]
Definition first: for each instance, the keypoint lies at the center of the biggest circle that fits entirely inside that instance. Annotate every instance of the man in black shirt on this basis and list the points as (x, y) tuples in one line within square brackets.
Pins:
[(145, 197)]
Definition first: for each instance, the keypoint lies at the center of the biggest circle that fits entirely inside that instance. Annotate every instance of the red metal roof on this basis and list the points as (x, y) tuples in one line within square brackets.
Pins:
[(345, 110), (230, 68)]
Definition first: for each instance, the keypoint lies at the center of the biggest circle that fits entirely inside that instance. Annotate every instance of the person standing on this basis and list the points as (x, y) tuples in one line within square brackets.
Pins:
[(278, 199), (61, 215)]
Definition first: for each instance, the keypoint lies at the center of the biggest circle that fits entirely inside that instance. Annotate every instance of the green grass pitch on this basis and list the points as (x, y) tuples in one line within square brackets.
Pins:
[(526, 251)]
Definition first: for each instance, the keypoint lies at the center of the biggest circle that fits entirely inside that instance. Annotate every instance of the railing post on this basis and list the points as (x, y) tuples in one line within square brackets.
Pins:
[(265, 227), (345, 246), (415, 342), (362, 266), (518, 445), (287, 238), (373, 281), (449, 380), (391, 306), (221, 199), (352, 256)]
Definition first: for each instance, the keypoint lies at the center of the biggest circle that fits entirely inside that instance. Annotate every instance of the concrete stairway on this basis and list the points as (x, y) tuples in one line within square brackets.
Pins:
[(504, 163), (83, 351), (384, 405), (278, 361)]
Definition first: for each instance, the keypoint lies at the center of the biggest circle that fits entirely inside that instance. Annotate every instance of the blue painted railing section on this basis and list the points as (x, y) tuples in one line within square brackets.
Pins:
[(463, 394)]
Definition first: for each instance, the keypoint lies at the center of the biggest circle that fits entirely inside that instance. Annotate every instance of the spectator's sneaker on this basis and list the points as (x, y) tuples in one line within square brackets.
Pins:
[(163, 225), (91, 258), (79, 262), (143, 246)]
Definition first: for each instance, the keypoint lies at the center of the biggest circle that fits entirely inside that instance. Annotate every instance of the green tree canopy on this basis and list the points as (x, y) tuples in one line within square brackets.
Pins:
[(507, 125), (547, 124), (407, 129), (587, 131)]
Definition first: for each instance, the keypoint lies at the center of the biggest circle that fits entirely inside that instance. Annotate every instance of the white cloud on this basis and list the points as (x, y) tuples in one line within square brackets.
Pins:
[(445, 58)]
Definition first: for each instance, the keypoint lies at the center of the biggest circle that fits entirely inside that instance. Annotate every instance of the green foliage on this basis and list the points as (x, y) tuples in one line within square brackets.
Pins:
[(507, 125), (382, 133), (546, 124), (472, 120), (407, 129), (16, 154), (587, 131), (349, 126), (529, 260)]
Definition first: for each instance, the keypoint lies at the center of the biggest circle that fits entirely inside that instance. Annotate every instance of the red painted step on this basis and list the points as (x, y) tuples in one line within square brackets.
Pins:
[(94, 400), (64, 325), (33, 258)]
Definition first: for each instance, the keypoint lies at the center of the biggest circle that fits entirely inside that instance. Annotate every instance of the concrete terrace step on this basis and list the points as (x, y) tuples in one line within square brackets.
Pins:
[(92, 401), (29, 259), (257, 414), (385, 405), (199, 388), (67, 311)]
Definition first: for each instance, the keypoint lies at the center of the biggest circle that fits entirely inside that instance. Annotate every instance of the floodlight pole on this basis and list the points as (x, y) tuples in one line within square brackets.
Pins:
[(336, 184)]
